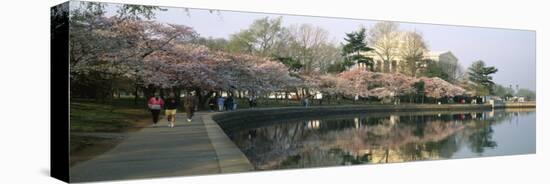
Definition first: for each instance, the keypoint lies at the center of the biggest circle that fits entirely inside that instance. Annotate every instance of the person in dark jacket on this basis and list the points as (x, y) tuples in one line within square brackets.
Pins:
[(212, 103), (170, 107), (190, 103), (229, 103)]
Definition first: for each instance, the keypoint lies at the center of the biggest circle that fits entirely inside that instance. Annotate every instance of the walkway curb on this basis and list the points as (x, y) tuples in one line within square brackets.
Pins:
[(230, 157)]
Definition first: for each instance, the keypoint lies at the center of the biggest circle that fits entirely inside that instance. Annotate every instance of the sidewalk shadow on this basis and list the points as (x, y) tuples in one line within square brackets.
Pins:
[(45, 171)]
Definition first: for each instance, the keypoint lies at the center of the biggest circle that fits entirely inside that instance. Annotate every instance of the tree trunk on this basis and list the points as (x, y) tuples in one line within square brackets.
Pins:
[(203, 99), (136, 95)]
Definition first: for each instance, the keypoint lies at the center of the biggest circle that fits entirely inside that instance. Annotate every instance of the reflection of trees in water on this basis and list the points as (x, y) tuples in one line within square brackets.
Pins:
[(479, 133), (316, 143), (366, 140), (481, 139)]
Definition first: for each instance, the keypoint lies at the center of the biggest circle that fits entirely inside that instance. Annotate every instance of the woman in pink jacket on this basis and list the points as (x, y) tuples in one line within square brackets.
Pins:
[(155, 105)]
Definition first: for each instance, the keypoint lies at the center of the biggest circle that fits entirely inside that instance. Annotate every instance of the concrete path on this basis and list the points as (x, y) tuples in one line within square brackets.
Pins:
[(193, 148)]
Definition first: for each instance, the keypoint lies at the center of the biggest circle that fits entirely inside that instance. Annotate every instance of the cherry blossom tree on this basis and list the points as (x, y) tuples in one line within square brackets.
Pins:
[(107, 49), (151, 55), (365, 83), (438, 88), (381, 85)]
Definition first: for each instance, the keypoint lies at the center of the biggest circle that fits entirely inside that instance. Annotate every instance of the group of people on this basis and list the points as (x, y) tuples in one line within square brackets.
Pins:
[(221, 103), (170, 106)]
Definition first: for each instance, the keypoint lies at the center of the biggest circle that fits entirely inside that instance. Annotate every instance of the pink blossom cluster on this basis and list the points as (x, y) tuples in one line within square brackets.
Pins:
[(365, 83)]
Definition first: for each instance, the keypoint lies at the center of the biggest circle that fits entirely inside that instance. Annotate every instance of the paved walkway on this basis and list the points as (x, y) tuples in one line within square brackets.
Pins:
[(195, 148)]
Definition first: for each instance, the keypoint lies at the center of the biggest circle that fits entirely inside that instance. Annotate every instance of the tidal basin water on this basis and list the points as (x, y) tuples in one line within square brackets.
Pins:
[(387, 138)]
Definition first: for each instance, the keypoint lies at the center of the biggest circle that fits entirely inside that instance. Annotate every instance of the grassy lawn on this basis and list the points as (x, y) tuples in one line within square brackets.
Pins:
[(87, 147), (95, 117), (89, 120)]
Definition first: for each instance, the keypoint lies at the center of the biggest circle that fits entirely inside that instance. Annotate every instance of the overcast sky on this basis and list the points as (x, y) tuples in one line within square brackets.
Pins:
[(511, 51)]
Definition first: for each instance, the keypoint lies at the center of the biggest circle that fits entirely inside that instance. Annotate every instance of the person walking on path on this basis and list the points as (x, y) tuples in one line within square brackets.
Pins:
[(155, 104), (212, 104), (251, 101), (306, 101), (221, 102), (170, 109), (190, 103), (229, 103)]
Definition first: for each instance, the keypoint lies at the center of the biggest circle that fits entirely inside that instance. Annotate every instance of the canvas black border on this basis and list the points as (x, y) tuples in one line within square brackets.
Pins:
[(59, 92)]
